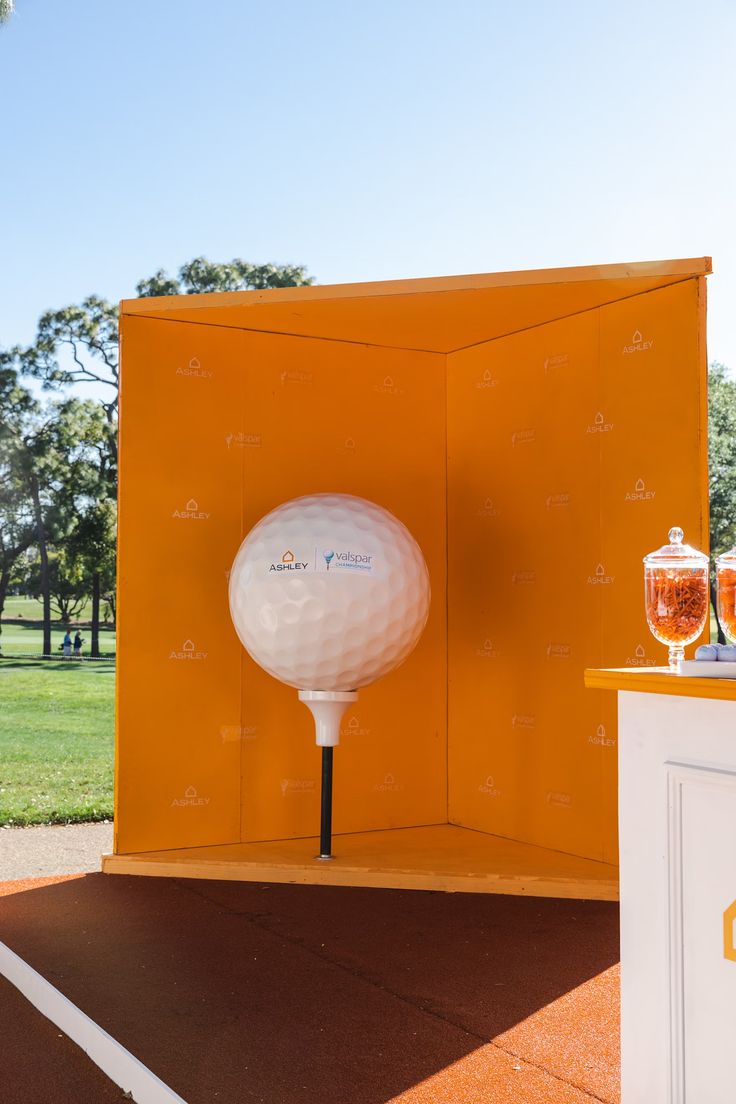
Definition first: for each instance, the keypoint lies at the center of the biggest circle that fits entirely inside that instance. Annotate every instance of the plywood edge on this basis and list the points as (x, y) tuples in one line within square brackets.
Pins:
[(659, 680), (334, 874), (158, 305)]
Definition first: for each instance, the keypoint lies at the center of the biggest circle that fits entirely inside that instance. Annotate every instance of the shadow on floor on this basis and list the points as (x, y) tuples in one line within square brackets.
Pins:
[(305, 993)]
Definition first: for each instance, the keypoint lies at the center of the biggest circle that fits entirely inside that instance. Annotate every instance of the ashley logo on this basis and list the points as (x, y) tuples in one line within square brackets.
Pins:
[(600, 738), (638, 344), (600, 578), (194, 370), (191, 797), (486, 381), (599, 425), (188, 651), (191, 512), (639, 493), (388, 387)]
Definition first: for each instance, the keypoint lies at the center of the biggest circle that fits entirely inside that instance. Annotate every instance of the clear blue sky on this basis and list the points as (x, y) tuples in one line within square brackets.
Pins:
[(389, 138)]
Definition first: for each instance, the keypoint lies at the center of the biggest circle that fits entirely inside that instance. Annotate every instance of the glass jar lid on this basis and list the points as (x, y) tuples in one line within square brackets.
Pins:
[(727, 559), (676, 554)]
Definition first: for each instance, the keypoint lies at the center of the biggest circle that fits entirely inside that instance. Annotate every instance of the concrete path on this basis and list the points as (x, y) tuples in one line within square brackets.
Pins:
[(46, 851)]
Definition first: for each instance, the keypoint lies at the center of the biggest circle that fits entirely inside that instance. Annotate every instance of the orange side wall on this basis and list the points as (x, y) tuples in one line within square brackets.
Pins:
[(218, 426), (572, 449)]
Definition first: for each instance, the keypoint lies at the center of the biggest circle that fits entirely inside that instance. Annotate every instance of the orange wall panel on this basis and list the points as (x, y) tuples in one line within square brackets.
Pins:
[(561, 476), (219, 426), (330, 416), (178, 656), (535, 471)]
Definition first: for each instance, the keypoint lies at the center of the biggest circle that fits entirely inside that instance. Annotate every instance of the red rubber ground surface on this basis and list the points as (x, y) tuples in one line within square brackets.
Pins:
[(39, 1065), (237, 992)]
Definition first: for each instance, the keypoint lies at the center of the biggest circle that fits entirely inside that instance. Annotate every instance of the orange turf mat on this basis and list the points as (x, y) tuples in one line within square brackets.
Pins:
[(239, 992)]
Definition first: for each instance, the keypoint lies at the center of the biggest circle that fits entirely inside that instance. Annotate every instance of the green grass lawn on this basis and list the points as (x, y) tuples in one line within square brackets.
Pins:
[(56, 741), (21, 632)]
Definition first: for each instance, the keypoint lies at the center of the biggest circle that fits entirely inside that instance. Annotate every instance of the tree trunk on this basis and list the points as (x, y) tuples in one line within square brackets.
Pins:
[(4, 583), (43, 552), (95, 650)]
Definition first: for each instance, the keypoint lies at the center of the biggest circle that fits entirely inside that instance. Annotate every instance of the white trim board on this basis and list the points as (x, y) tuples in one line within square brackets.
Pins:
[(122, 1067)]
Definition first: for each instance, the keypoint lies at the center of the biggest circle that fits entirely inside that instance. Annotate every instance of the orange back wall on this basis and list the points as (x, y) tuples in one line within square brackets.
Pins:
[(573, 447), (535, 470), (218, 426)]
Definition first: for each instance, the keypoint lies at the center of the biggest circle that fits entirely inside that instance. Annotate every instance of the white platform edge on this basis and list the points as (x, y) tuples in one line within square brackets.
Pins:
[(706, 668), (122, 1067)]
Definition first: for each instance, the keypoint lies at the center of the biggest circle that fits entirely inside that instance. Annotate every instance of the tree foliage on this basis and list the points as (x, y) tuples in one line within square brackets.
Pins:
[(58, 461), (722, 457), (201, 275)]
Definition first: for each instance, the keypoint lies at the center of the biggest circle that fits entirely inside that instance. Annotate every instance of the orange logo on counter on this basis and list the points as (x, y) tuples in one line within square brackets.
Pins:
[(729, 917)]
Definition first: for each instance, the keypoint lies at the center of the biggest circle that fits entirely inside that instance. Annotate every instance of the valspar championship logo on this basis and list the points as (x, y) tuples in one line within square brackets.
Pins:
[(324, 561)]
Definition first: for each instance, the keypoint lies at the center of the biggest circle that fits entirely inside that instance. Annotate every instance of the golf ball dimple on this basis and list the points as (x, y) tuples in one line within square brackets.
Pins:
[(329, 592)]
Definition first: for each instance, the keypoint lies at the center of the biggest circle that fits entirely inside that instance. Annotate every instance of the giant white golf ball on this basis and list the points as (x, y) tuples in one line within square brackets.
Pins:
[(329, 592)]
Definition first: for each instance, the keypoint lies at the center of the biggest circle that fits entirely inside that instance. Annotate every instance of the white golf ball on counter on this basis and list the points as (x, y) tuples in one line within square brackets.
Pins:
[(329, 592)]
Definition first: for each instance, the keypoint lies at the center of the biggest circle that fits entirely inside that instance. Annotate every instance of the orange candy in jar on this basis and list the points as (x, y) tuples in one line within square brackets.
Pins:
[(676, 594), (726, 586)]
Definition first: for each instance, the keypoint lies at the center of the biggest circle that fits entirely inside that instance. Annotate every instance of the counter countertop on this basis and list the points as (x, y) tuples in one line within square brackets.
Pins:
[(660, 680)]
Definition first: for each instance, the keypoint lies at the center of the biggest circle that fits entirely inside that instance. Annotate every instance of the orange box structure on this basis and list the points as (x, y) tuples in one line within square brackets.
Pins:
[(538, 432)]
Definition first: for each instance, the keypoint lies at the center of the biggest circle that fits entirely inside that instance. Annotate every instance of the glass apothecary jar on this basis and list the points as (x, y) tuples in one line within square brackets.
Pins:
[(676, 594), (726, 590)]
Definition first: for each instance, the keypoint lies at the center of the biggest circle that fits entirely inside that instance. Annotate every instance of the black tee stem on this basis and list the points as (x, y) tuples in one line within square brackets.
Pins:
[(325, 832)]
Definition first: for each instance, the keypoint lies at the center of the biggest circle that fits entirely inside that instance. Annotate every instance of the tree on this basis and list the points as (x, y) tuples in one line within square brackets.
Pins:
[(54, 468), (6, 10), (69, 456), (67, 584), (93, 543), (721, 466), (79, 344), (201, 275), (17, 523)]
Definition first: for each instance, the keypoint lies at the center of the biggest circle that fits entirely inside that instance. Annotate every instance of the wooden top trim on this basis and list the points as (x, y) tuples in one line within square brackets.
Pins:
[(691, 266), (659, 680)]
